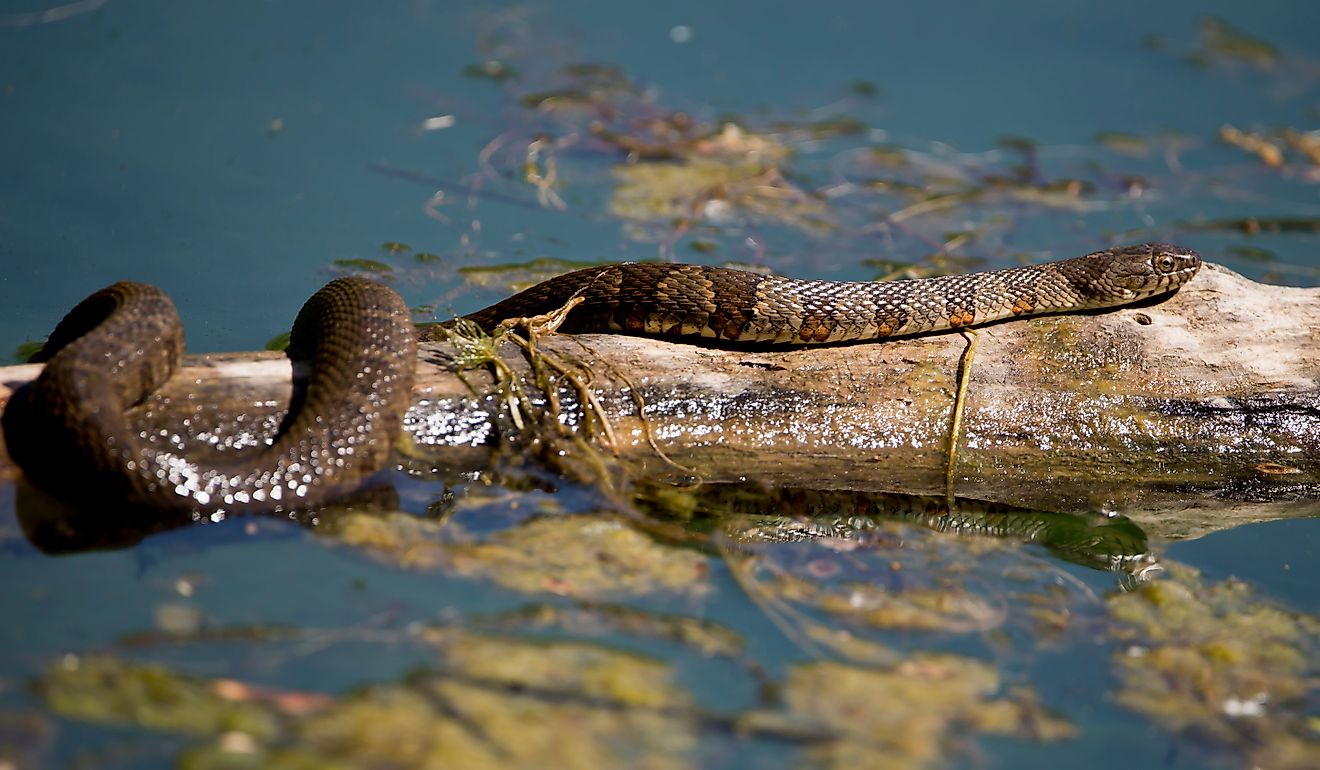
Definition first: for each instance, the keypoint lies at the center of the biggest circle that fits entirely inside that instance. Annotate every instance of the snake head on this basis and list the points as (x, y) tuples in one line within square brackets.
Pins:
[(1133, 272)]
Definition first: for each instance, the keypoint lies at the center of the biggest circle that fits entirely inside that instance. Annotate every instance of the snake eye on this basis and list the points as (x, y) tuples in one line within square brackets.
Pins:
[(1164, 263)]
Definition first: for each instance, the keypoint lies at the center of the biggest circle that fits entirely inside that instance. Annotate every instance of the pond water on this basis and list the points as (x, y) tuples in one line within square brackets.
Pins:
[(238, 154)]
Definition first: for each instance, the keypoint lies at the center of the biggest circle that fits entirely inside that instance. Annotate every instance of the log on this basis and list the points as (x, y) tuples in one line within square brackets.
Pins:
[(1190, 414)]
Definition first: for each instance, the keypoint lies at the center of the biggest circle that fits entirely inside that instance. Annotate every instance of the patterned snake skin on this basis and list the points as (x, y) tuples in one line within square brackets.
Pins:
[(70, 435), (736, 306), (356, 337)]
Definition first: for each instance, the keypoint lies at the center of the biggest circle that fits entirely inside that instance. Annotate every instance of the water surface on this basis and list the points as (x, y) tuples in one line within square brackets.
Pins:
[(239, 154)]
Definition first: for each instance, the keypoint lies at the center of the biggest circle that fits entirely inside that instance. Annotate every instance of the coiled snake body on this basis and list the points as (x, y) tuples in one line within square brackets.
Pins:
[(120, 344)]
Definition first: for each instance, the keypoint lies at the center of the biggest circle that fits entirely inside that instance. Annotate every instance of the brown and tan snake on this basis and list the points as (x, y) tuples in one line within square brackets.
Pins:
[(69, 432)]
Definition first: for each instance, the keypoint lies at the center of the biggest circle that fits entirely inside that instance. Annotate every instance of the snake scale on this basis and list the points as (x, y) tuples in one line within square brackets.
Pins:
[(738, 306), (358, 341), (120, 344)]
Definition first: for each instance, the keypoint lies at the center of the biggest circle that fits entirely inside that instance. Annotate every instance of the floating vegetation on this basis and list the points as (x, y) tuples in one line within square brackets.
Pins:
[(1213, 662), (708, 637), (1306, 143), (364, 265), (582, 556), (493, 703), (825, 128), (585, 671), (836, 183), (1223, 42), (587, 86), (501, 702), (1259, 225), (722, 179), (1273, 148), (110, 691), (903, 716), (585, 556), (1252, 253), (1269, 151), (713, 190), (1128, 144)]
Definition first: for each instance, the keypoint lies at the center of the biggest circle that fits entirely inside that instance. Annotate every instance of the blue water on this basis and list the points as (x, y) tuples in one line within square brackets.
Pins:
[(232, 152)]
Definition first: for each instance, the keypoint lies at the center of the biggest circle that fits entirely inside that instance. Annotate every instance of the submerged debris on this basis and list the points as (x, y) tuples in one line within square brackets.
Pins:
[(583, 556), (904, 716), (494, 703), (501, 702), (107, 690), (1214, 663)]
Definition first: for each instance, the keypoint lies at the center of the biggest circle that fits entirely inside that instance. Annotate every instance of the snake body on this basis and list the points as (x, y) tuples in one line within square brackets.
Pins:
[(70, 433), (738, 306), (71, 436)]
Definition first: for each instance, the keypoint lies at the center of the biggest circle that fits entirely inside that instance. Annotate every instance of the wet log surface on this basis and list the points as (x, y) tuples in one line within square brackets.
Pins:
[(1189, 415)]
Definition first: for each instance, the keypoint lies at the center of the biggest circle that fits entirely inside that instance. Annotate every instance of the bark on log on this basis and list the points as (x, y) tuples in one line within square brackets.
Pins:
[(1192, 414)]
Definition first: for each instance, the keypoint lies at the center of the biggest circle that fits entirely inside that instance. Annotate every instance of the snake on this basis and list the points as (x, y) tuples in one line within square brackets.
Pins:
[(69, 432), (728, 306), (356, 338)]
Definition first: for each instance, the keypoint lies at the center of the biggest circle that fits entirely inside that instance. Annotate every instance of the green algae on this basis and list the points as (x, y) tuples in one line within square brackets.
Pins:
[(446, 724), (582, 556), (1212, 662), (729, 174), (364, 265), (501, 702), (107, 690), (495, 703), (583, 669), (918, 609), (706, 636), (903, 716), (490, 712), (1257, 225), (667, 192), (511, 703)]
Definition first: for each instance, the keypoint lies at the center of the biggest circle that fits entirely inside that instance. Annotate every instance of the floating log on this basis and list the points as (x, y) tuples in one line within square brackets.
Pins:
[(1191, 414)]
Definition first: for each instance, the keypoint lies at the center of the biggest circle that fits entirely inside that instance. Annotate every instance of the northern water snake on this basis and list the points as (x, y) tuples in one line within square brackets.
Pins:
[(741, 307), (356, 336)]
